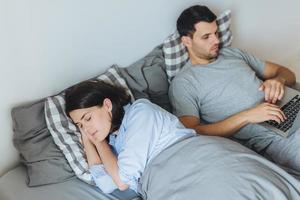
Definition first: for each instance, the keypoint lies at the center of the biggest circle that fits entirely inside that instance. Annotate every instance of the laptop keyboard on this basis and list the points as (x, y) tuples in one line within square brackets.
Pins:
[(290, 110)]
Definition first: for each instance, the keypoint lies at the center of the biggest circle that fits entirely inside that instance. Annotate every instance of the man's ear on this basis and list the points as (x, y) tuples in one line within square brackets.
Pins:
[(107, 104), (186, 41)]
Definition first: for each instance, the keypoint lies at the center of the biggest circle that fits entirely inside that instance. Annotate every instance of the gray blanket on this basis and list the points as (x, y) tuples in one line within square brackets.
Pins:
[(211, 168)]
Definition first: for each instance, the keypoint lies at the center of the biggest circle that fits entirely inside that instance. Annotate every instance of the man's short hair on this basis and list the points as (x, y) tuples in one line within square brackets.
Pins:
[(191, 16)]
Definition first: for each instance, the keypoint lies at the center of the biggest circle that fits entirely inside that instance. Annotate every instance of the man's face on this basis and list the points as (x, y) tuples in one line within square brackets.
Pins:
[(204, 45)]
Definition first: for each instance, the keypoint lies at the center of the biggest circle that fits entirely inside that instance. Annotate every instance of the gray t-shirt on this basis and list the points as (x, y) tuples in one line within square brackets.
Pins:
[(220, 89)]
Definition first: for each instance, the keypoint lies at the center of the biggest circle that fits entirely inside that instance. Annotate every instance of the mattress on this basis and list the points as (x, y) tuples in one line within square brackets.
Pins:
[(13, 187)]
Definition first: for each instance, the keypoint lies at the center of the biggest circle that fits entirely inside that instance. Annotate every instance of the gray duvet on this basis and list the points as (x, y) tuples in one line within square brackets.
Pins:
[(212, 168)]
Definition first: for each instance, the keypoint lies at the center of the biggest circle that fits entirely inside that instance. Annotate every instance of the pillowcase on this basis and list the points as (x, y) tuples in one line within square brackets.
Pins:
[(44, 162), (66, 135), (147, 78), (176, 54)]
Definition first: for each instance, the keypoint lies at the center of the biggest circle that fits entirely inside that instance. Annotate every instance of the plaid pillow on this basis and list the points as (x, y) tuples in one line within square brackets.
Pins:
[(66, 135), (176, 54)]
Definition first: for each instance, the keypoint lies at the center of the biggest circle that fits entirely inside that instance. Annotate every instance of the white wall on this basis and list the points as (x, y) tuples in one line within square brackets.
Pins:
[(47, 45)]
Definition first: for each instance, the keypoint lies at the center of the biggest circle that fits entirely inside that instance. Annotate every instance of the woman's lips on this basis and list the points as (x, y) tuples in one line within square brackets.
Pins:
[(94, 133)]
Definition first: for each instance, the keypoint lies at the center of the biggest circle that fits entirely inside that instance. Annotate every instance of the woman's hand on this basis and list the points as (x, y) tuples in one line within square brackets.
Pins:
[(264, 112), (95, 138), (84, 137), (89, 147)]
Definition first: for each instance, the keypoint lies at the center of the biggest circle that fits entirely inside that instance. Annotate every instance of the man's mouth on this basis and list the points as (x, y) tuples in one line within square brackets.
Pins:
[(215, 48)]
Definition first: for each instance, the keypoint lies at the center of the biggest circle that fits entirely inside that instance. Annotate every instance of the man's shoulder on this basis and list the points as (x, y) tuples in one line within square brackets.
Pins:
[(230, 52), (183, 82), (184, 73)]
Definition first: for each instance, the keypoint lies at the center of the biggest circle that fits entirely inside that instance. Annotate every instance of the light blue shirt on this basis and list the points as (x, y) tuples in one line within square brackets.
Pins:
[(146, 130)]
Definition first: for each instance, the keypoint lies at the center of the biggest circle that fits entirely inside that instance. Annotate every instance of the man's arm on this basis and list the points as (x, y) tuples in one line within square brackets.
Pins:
[(280, 72), (276, 76), (230, 125)]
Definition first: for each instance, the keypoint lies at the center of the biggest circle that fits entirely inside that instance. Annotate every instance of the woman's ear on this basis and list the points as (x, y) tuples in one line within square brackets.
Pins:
[(107, 104)]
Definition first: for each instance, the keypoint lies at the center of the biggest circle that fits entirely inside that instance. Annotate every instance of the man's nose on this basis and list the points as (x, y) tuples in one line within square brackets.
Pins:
[(216, 39)]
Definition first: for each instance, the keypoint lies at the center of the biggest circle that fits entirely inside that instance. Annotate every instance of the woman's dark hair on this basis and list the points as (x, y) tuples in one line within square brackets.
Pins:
[(92, 93), (191, 16)]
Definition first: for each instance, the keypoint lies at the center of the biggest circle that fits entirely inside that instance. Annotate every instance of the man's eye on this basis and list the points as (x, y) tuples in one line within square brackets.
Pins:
[(88, 119), (205, 37)]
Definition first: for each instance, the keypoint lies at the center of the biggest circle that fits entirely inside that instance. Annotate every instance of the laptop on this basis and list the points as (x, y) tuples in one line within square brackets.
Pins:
[(290, 105)]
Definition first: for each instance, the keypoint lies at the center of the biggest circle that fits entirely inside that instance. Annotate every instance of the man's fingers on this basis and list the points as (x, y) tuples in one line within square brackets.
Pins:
[(281, 93), (272, 94), (275, 111), (276, 94), (276, 116), (261, 88), (273, 89), (271, 106), (267, 93)]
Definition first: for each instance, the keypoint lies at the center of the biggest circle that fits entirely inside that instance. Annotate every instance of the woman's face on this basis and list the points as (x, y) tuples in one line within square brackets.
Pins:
[(94, 121)]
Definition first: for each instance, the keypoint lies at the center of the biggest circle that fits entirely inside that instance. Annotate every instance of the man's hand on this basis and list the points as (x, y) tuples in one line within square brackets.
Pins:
[(274, 89), (264, 112)]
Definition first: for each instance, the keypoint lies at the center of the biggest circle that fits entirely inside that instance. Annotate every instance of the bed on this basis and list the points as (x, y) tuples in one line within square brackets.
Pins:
[(53, 165), (198, 167), (13, 186)]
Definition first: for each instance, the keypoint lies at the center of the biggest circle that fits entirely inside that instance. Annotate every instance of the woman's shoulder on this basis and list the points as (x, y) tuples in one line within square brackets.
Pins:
[(142, 104), (140, 111), (143, 107)]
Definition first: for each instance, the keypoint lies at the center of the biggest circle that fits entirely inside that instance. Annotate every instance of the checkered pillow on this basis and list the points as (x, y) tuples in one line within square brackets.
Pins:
[(66, 135), (176, 54)]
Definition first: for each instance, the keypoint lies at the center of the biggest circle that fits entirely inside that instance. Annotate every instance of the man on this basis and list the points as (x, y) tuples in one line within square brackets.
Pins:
[(227, 92)]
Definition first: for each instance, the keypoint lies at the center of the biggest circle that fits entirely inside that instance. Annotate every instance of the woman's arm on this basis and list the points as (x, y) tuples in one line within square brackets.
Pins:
[(102, 179), (110, 163)]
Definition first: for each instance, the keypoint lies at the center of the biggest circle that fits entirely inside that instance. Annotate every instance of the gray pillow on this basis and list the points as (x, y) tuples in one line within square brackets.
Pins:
[(44, 161), (147, 78)]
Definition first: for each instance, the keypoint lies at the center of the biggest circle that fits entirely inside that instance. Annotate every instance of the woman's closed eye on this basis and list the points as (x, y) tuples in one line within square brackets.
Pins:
[(88, 118)]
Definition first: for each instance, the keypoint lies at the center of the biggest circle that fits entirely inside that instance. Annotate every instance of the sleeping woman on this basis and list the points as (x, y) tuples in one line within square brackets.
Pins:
[(143, 147), (120, 138)]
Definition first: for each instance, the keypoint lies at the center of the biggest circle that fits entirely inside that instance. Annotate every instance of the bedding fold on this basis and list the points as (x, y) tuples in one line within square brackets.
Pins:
[(206, 167)]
